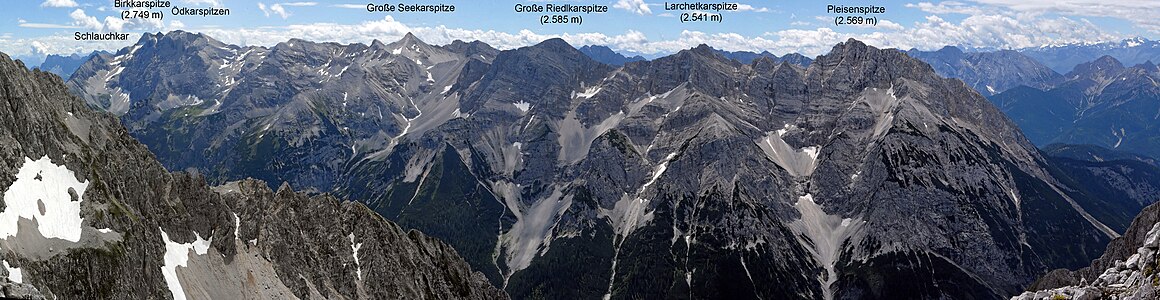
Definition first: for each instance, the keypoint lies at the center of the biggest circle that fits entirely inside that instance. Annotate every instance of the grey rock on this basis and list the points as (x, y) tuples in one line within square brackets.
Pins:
[(863, 175), (247, 240), (989, 73)]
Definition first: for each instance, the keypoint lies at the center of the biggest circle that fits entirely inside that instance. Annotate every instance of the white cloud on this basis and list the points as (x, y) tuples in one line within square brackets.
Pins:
[(1004, 29), (354, 6), (82, 20), (85, 21), (300, 3), (1137, 12), (59, 3), (992, 31), (275, 8), (635, 6), (57, 44), (26, 24), (747, 7), (946, 7), (210, 3)]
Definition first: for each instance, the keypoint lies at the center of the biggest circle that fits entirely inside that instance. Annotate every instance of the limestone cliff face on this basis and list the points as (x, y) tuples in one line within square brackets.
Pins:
[(863, 174), (87, 212)]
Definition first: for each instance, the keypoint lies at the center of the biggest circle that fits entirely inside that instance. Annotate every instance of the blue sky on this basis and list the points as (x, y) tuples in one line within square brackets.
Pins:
[(42, 27)]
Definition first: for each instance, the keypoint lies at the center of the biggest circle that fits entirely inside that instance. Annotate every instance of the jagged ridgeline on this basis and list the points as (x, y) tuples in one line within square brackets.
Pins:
[(861, 175), (87, 213)]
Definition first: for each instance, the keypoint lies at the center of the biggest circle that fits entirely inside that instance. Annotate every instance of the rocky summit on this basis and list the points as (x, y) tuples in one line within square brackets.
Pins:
[(1127, 270), (864, 175), (88, 213)]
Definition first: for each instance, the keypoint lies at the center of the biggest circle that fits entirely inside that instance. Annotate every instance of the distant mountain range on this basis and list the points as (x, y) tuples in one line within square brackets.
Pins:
[(861, 174), (606, 55), (64, 66), (1062, 58), (989, 72), (1095, 153), (1101, 102), (747, 57)]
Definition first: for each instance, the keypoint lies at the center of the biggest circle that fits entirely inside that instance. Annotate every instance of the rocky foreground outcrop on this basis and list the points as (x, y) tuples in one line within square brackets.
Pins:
[(1128, 270), (87, 212)]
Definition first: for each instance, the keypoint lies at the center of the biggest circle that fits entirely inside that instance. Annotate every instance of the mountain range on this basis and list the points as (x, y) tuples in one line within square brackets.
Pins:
[(606, 55), (89, 213), (1062, 58), (64, 66), (989, 73), (1101, 103), (862, 175)]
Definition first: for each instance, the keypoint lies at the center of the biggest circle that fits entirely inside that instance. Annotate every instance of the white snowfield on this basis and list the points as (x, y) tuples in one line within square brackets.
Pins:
[(177, 254), (41, 194), (14, 274), (354, 248)]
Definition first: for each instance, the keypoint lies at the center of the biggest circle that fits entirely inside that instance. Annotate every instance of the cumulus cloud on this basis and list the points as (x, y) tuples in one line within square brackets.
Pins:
[(747, 7), (635, 6), (1137, 12), (59, 3), (26, 24), (946, 7), (1003, 29), (83, 20), (210, 3), (275, 8)]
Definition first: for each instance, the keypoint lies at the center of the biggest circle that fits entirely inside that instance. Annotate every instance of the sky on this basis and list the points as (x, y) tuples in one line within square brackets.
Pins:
[(31, 29)]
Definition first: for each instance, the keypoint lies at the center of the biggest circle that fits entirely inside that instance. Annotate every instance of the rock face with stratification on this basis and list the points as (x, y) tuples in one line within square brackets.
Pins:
[(87, 212), (863, 175)]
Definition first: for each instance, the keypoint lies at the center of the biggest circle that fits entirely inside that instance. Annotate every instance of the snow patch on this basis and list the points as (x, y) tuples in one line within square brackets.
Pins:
[(1119, 137), (177, 254), (354, 248), (523, 106), (237, 226), (589, 92), (14, 274), (41, 193), (660, 169)]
